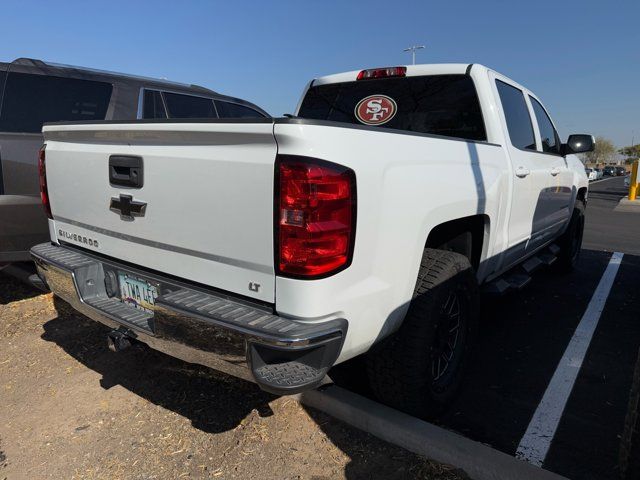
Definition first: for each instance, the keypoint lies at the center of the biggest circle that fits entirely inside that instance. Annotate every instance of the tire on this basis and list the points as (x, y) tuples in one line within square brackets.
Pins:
[(570, 242), (406, 370)]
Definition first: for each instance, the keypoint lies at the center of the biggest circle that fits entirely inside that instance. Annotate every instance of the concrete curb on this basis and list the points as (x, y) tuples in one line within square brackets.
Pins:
[(479, 461), (626, 205)]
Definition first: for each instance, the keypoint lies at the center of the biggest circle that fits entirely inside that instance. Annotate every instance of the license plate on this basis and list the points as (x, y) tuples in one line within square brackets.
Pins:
[(137, 292)]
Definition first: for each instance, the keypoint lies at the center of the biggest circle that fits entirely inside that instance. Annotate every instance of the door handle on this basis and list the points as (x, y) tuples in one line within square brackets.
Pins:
[(126, 171), (555, 171), (522, 172)]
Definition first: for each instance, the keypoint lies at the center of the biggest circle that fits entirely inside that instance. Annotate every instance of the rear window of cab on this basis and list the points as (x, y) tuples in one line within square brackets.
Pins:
[(444, 105)]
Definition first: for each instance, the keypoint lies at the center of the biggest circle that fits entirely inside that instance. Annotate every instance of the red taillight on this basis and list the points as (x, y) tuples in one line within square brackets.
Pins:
[(44, 192), (315, 217), (382, 73)]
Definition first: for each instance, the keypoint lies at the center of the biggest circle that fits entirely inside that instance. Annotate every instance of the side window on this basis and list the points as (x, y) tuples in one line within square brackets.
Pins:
[(234, 110), (517, 115), (548, 134), (153, 106), (31, 100), (189, 106)]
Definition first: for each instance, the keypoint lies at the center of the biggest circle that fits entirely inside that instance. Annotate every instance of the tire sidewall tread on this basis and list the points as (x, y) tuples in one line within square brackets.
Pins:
[(399, 367)]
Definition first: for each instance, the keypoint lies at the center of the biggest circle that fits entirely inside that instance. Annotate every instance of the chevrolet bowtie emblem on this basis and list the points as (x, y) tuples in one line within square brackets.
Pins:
[(127, 207)]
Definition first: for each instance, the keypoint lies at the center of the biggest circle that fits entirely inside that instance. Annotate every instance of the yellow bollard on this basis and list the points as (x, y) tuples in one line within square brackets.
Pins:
[(633, 181)]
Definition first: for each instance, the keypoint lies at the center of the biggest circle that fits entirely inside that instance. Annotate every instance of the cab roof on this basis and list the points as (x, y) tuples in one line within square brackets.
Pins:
[(412, 71)]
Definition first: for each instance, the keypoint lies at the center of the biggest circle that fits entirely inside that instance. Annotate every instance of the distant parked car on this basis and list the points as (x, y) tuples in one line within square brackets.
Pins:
[(609, 171), (599, 173), (33, 92), (621, 171), (591, 174)]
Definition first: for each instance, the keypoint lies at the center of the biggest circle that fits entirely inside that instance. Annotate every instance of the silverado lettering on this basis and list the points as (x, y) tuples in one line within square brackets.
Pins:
[(77, 238)]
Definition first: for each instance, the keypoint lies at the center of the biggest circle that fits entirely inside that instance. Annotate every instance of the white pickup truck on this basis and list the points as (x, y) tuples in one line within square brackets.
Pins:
[(273, 249)]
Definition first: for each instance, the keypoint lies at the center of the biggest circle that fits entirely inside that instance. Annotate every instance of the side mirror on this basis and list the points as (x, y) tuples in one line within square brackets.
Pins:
[(578, 144)]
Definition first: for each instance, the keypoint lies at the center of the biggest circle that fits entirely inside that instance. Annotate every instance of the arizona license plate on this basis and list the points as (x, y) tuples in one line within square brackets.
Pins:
[(137, 292)]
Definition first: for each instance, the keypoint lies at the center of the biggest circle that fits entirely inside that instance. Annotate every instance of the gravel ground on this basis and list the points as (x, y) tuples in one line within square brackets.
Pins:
[(69, 408)]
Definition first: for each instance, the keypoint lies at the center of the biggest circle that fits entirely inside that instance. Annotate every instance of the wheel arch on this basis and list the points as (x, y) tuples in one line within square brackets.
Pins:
[(466, 235), (582, 195)]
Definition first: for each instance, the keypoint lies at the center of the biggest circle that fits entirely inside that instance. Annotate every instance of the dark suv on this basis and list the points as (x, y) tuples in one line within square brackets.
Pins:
[(621, 171), (33, 92)]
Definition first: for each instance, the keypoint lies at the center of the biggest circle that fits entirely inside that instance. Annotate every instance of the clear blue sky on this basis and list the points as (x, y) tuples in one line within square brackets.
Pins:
[(581, 57)]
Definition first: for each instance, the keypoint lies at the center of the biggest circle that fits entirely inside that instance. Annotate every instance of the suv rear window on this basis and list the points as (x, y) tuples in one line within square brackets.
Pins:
[(189, 106), (31, 100), (435, 104)]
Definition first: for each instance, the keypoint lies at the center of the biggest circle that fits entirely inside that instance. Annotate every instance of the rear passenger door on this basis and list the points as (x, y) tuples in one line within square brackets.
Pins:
[(559, 190), (530, 177)]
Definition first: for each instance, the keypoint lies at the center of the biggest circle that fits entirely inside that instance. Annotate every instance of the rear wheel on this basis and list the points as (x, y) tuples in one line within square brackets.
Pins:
[(419, 368), (571, 241)]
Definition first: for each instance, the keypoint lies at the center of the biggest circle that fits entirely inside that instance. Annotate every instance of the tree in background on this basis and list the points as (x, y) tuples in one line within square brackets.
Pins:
[(631, 153), (602, 153)]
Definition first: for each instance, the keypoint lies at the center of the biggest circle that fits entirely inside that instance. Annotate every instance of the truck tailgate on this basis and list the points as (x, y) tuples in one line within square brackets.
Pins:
[(208, 190)]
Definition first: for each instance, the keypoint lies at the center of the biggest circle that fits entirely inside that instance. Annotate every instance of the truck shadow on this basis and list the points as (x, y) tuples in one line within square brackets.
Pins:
[(13, 290), (214, 402)]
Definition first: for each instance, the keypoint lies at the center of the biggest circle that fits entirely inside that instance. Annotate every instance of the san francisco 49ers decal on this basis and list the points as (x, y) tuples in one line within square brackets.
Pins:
[(376, 109)]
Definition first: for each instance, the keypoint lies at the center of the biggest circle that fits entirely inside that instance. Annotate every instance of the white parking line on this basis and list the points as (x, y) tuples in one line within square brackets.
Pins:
[(537, 439)]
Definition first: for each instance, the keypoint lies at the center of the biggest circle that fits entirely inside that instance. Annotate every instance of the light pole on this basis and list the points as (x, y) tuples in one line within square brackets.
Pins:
[(413, 51)]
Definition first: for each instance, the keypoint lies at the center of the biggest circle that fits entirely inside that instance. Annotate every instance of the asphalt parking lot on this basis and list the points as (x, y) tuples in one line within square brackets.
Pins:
[(525, 335), (230, 429)]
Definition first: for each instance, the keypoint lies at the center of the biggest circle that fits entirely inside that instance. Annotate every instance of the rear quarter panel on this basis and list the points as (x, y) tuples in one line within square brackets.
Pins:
[(406, 185)]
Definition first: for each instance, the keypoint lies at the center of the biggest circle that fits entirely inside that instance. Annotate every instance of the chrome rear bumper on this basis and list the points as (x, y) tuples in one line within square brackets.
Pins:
[(198, 325)]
